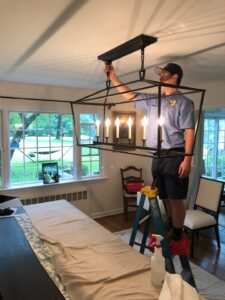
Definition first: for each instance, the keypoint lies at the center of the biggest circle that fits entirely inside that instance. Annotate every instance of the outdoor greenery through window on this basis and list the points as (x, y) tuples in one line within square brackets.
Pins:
[(0, 167), (1, 148), (90, 157), (37, 138), (214, 145)]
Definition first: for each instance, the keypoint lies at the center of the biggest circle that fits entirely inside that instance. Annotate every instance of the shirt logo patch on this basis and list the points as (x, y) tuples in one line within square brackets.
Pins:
[(172, 102)]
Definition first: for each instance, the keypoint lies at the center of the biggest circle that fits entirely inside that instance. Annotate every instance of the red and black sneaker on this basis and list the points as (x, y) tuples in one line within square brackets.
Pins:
[(181, 247)]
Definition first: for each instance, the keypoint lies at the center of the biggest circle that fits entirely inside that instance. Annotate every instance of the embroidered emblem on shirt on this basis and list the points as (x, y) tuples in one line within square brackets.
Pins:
[(172, 102)]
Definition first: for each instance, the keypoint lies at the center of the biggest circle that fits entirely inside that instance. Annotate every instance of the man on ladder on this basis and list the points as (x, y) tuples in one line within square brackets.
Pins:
[(170, 171), (154, 216)]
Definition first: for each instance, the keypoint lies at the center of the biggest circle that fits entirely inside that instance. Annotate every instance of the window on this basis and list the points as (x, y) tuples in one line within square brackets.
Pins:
[(30, 139), (1, 148), (37, 138), (0, 166), (90, 157), (214, 145)]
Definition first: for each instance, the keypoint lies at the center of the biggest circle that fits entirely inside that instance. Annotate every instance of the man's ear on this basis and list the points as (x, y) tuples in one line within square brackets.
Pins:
[(174, 77)]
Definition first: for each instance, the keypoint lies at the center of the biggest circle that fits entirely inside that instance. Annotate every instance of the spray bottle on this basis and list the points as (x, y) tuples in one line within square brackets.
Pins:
[(157, 263)]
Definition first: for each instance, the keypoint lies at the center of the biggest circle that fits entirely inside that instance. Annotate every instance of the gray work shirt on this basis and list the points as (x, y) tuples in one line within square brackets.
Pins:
[(177, 112)]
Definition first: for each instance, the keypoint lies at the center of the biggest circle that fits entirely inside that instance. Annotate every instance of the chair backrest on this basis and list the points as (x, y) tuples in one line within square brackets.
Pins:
[(209, 194), (130, 173)]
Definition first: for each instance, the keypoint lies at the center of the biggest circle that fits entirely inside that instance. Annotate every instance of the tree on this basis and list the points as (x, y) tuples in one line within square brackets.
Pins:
[(58, 126), (19, 133)]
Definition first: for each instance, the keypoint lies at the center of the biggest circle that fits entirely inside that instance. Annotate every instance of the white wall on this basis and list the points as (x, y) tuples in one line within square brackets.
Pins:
[(215, 94)]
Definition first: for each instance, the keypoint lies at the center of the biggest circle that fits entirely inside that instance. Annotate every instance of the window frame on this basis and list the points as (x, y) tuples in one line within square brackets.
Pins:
[(99, 155), (1, 149), (38, 146), (15, 105), (215, 115)]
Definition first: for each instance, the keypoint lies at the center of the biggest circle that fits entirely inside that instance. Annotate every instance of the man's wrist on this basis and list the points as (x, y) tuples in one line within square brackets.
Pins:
[(188, 157)]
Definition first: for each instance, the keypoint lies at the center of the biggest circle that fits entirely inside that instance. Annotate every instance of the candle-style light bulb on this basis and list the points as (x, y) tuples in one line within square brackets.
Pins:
[(129, 123), (144, 124), (161, 121), (117, 123), (97, 124), (107, 124)]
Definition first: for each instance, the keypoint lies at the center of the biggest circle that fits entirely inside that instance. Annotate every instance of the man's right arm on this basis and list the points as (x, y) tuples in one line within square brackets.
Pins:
[(126, 92)]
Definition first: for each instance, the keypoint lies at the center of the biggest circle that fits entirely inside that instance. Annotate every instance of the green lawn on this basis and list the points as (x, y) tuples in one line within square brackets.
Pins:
[(30, 170)]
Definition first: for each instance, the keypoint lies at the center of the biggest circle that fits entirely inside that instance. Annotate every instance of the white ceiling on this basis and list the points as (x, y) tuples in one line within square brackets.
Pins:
[(57, 42)]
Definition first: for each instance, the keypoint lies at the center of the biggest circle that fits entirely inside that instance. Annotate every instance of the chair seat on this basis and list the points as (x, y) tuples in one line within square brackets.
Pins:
[(196, 219)]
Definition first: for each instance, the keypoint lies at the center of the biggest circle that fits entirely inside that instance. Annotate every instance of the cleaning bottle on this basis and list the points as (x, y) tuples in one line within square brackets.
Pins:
[(157, 263)]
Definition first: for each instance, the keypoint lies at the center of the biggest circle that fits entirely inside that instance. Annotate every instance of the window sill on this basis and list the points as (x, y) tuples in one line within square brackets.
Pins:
[(62, 182)]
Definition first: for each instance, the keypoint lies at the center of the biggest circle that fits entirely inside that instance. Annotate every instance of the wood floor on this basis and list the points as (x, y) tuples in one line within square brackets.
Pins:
[(206, 253)]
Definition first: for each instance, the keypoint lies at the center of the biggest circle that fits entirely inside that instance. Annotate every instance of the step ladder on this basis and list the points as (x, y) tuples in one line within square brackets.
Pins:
[(154, 215)]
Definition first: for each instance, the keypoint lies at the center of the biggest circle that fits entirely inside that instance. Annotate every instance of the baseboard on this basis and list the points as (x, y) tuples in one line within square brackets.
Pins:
[(107, 213), (110, 213)]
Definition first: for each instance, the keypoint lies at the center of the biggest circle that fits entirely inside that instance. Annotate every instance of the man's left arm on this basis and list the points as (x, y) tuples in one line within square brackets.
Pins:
[(185, 166)]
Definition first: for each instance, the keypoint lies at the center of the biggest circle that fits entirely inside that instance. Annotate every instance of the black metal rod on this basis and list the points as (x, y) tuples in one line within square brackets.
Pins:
[(159, 131), (79, 101), (198, 119), (94, 146), (108, 84), (35, 99), (130, 101), (140, 148), (86, 98), (173, 85), (154, 84), (74, 123), (114, 94), (95, 93), (96, 98)]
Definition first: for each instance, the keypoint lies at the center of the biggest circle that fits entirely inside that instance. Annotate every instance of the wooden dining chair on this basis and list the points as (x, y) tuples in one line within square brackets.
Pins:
[(206, 209), (132, 181)]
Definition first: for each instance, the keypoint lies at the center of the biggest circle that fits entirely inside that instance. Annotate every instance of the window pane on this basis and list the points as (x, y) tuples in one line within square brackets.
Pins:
[(0, 166), (67, 123), (17, 172), (221, 150), (43, 139), (15, 120), (214, 146), (67, 138), (43, 121), (86, 168), (90, 157), (221, 124), (37, 138), (94, 151), (1, 134), (85, 151), (208, 147), (67, 169), (30, 141), (55, 121)]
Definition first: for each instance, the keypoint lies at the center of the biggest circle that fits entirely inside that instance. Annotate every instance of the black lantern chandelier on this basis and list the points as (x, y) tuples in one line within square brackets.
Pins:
[(108, 98)]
